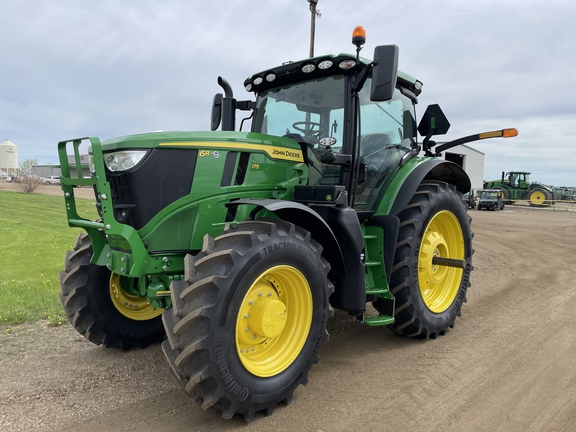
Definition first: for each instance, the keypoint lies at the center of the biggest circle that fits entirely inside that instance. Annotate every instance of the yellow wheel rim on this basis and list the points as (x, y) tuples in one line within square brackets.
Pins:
[(537, 197), (439, 284), (274, 321), (131, 306)]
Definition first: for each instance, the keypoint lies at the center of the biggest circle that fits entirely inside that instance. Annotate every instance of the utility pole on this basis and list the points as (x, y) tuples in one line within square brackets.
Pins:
[(315, 13)]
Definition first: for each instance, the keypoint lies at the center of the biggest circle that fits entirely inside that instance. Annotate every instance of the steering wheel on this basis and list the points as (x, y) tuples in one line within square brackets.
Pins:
[(310, 128)]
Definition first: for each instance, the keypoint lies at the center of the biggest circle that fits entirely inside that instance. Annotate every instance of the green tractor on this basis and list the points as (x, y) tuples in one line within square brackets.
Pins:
[(234, 248), (516, 185)]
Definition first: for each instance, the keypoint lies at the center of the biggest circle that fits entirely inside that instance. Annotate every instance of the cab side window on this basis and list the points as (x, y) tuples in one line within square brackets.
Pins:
[(387, 132)]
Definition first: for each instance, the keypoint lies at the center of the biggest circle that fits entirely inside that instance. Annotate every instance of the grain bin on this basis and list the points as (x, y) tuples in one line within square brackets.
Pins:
[(8, 157)]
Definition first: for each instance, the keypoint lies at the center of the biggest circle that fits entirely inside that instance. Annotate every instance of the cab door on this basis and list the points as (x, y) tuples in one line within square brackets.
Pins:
[(387, 131)]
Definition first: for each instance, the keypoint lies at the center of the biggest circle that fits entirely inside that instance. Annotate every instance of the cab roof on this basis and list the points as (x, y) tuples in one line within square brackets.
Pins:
[(316, 67)]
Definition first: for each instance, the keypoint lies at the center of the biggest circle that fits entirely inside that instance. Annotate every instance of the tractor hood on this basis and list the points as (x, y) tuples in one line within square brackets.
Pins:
[(210, 141)]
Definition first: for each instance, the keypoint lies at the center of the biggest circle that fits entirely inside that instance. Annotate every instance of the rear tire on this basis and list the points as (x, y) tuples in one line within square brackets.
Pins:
[(99, 308), (249, 317), (429, 297), (540, 198)]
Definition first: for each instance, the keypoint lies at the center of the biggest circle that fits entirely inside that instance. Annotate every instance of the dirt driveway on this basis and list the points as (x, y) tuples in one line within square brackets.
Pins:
[(508, 365)]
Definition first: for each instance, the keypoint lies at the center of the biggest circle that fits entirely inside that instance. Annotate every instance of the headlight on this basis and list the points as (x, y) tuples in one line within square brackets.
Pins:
[(123, 160)]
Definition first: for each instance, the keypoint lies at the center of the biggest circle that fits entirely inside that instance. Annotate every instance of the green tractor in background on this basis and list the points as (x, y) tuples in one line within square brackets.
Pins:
[(234, 248), (516, 185)]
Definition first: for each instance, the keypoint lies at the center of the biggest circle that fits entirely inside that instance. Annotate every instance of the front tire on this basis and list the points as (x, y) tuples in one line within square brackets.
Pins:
[(249, 318), (100, 308), (429, 296)]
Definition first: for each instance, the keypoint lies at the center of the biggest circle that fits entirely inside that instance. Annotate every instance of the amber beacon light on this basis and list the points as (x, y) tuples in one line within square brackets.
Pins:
[(359, 36)]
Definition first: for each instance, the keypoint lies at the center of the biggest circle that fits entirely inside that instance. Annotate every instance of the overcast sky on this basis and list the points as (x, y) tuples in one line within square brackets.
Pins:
[(73, 68)]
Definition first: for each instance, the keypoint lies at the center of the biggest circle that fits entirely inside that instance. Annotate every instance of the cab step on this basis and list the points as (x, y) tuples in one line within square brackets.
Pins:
[(378, 321), (376, 291)]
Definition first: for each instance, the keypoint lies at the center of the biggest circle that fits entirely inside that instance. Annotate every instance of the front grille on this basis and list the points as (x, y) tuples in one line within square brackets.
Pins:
[(164, 176)]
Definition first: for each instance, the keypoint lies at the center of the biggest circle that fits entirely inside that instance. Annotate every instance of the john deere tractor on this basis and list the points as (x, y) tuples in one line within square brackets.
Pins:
[(516, 185), (234, 248)]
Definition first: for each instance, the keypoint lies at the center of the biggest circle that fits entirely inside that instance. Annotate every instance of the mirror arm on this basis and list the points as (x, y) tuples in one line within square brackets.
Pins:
[(361, 78), (427, 144), (329, 157), (245, 105), (455, 143)]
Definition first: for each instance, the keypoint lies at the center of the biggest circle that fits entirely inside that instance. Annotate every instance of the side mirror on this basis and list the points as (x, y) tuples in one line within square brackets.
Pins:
[(384, 72), (216, 113), (433, 122)]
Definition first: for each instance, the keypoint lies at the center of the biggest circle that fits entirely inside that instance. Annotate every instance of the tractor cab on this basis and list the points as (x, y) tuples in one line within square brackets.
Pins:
[(517, 179), (353, 118)]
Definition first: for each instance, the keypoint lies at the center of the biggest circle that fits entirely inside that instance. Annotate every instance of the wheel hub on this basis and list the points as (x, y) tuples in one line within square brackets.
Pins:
[(131, 306), (433, 245), (267, 317)]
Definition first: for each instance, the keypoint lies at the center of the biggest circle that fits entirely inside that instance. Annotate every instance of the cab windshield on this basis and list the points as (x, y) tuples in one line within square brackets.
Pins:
[(313, 109)]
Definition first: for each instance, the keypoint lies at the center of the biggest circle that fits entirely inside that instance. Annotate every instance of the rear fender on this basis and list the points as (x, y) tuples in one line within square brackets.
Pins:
[(434, 169)]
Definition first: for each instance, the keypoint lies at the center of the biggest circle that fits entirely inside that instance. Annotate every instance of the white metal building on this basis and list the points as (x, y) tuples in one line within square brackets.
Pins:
[(471, 160)]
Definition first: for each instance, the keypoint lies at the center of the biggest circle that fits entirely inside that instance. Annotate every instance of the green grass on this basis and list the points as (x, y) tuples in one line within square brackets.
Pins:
[(34, 236)]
